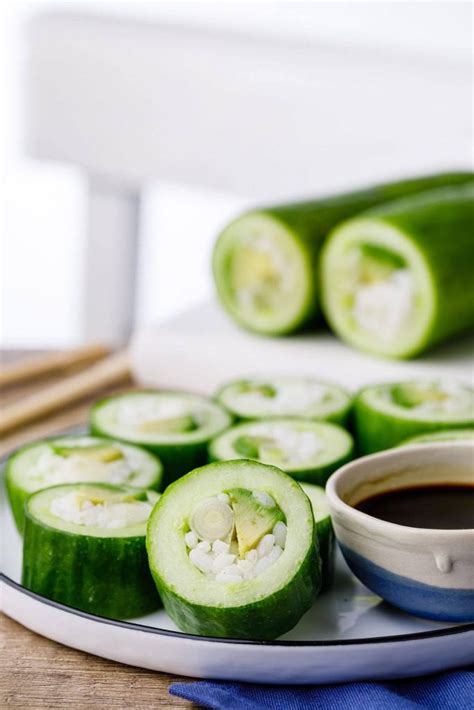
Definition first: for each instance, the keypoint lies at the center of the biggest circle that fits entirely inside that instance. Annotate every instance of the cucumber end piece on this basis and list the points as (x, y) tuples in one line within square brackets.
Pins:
[(377, 288), (263, 275)]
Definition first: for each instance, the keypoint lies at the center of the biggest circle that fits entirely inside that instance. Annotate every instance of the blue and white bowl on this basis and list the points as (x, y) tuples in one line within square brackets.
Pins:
[(426, 572)]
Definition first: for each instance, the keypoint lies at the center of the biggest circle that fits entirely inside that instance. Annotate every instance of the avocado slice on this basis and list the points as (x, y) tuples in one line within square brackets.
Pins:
[(263, 389), (252, 519), (412, 395), (101, 454), (256, 447), (170, 425), (377, 263)]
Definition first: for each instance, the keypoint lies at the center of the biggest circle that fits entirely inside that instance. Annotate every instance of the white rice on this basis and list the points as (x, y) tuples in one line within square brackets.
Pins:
[(282, 276), (219, 564), (295, 446), (384, 307), (51, 469), (291, 398), (456, 398), (75, 508)]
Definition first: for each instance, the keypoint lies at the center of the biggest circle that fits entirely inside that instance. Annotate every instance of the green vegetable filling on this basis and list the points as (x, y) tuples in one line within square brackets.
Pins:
[(101, 454)]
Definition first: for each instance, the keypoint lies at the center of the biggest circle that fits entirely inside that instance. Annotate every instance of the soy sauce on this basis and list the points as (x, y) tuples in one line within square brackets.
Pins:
[(440, 506)]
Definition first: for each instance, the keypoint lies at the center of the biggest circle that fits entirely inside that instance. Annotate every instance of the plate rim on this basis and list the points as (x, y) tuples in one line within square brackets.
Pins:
[(144, 628)]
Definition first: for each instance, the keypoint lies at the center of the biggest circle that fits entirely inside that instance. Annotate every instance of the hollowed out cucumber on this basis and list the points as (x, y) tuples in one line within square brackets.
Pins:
[(306, 450), (98, 568), (259, 398), (176, 426), (262, 607), (265, 262), (324, 531), (77, 459), (399, 278), (388, 414)]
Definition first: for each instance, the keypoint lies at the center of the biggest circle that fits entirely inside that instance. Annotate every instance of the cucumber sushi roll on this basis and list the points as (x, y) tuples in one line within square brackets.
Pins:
[(77, 459), (398, 279), (387, 414), (306, 450), (443, 435), (84, 546), (233, 551), (306, 397), (265, 262), (324, 531), (176, 426)]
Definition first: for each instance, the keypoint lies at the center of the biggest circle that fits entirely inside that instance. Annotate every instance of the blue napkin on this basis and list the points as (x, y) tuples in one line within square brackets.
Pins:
[(453, 690)]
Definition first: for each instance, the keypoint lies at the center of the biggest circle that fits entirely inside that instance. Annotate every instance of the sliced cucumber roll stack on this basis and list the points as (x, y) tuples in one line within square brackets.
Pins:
[(443, 435), (77, 459), (398, 279), (84, 546), (324, 531), (285, 397), (389, 413), (176, 426), (233, 550), (265, 261), (306, 450)]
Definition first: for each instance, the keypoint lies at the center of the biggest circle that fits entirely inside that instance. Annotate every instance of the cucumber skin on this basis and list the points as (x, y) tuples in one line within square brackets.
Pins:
[(17, 496), (327, 551), (102, 576), (310, 222), (376, 430), (440, 225), (17, 499), (264, 620)]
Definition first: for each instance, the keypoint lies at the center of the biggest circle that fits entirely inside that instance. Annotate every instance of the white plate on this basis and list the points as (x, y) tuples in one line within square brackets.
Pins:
[(349, 634)]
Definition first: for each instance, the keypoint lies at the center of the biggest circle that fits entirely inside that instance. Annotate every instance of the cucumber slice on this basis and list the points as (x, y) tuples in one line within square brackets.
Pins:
[(285, 397), (389, 413), (324, 531), (398, 279), (77, 459), (84, 546), (176, 426), (306, 450), (258, 584), (437, 436), (265, 261)]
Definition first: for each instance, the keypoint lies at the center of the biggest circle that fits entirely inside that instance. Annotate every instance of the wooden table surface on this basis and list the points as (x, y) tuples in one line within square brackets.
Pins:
[(38, 673)]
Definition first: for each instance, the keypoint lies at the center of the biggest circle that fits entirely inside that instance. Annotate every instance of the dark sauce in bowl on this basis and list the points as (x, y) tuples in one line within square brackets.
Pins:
[(439, 507)]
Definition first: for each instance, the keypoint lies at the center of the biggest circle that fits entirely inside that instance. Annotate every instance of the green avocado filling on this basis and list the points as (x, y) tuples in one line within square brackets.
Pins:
[(170, 425), (252, 519), (235, 535), (412, 395), (250, 446), (101, 454), (262, 389), (376, 263)]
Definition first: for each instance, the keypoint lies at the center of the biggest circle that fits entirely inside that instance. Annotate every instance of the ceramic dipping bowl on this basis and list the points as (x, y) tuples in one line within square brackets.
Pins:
[(426, 572)]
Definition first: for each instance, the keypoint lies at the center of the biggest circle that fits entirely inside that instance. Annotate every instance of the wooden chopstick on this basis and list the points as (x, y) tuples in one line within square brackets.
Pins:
[(110, 371), (32, 368)]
